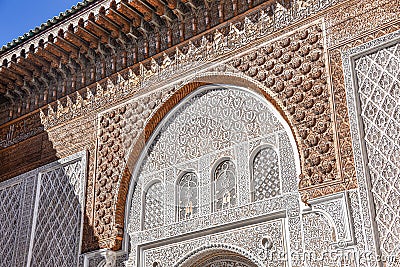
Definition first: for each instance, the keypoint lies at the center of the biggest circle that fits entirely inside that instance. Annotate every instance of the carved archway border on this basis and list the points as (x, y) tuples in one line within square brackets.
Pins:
[(201, 80), (137, 148), (297, 86), (239, 79), (194, 255)]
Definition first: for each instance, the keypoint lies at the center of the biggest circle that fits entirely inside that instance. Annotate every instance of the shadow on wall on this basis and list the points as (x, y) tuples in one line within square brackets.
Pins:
[(25, 146)]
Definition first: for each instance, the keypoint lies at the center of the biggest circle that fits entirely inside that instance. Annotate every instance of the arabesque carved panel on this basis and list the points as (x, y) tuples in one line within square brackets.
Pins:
[(379, 91), (250, 239), (293, 71), (293, 75), (242, 124)]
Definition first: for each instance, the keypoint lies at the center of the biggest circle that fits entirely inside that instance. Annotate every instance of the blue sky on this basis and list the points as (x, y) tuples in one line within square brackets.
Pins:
[(19, 16)]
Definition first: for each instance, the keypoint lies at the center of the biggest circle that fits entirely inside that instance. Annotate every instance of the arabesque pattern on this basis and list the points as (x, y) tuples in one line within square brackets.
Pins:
[(318, 238), (248, 238), (241, 125), (227, 263), (378, 78), (153, 206), (292, 70)]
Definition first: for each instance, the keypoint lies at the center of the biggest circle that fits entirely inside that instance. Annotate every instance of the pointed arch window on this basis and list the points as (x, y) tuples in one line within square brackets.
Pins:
[(187, 196), (265, 175), (224, 186), (153, 212)]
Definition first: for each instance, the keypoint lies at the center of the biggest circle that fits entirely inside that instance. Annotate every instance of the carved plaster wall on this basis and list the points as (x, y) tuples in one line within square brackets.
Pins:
[(276, 231), (373, 90), (347, 24), (346, 220), (249, 240), (213, 124), (41, 214), (218, 257), (290, 71)]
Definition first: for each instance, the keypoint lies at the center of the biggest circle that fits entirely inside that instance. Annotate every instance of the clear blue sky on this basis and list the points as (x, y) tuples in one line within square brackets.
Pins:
[(17, 17)]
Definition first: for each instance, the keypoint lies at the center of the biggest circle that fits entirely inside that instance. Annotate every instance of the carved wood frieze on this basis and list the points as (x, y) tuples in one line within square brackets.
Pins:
[(20, 130), (98, 41)]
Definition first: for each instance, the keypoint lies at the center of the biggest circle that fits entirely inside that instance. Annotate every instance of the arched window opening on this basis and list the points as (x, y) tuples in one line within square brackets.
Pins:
[(187, 196), (224, 186), (265, 175), (153, 206)]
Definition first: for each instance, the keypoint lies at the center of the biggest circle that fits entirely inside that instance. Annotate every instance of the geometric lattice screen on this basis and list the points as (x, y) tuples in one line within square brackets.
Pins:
[(378, 78), (41, 215), (11, 200), (154, 206), (59, 213), (265, 179)]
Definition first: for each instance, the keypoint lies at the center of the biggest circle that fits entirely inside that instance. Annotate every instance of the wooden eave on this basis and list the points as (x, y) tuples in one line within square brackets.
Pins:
[(85, 37)]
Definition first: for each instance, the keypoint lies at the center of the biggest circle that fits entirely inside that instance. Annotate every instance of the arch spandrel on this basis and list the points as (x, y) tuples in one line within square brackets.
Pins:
[(213, 119), (305, 103), (243, 122)]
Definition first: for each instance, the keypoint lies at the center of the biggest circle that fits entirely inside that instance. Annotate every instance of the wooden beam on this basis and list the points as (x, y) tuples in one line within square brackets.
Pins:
[(30, 65), (77, 40), (98, 30), (67, 46), (19, 68), (109, 24), (114, 15), (3, 88), (12, 76), (57, 51), (146, 10), (130, 11), (53, 59), (87, 35), (39, 61), (4, 79)]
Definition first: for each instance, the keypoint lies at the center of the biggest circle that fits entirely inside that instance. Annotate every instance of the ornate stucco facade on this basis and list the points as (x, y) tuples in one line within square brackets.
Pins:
[(203, 133)]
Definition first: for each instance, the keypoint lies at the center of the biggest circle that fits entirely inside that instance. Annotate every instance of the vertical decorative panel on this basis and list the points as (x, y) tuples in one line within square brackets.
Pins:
[(41, 215), (224, 186), (10, 211), (154, 206), (17, 200), (265, 179), (378, 79), (59, 215), (187, 193)]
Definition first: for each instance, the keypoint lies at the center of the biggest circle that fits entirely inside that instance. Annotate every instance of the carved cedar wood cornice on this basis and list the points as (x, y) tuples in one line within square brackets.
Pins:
[(98, 41)]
